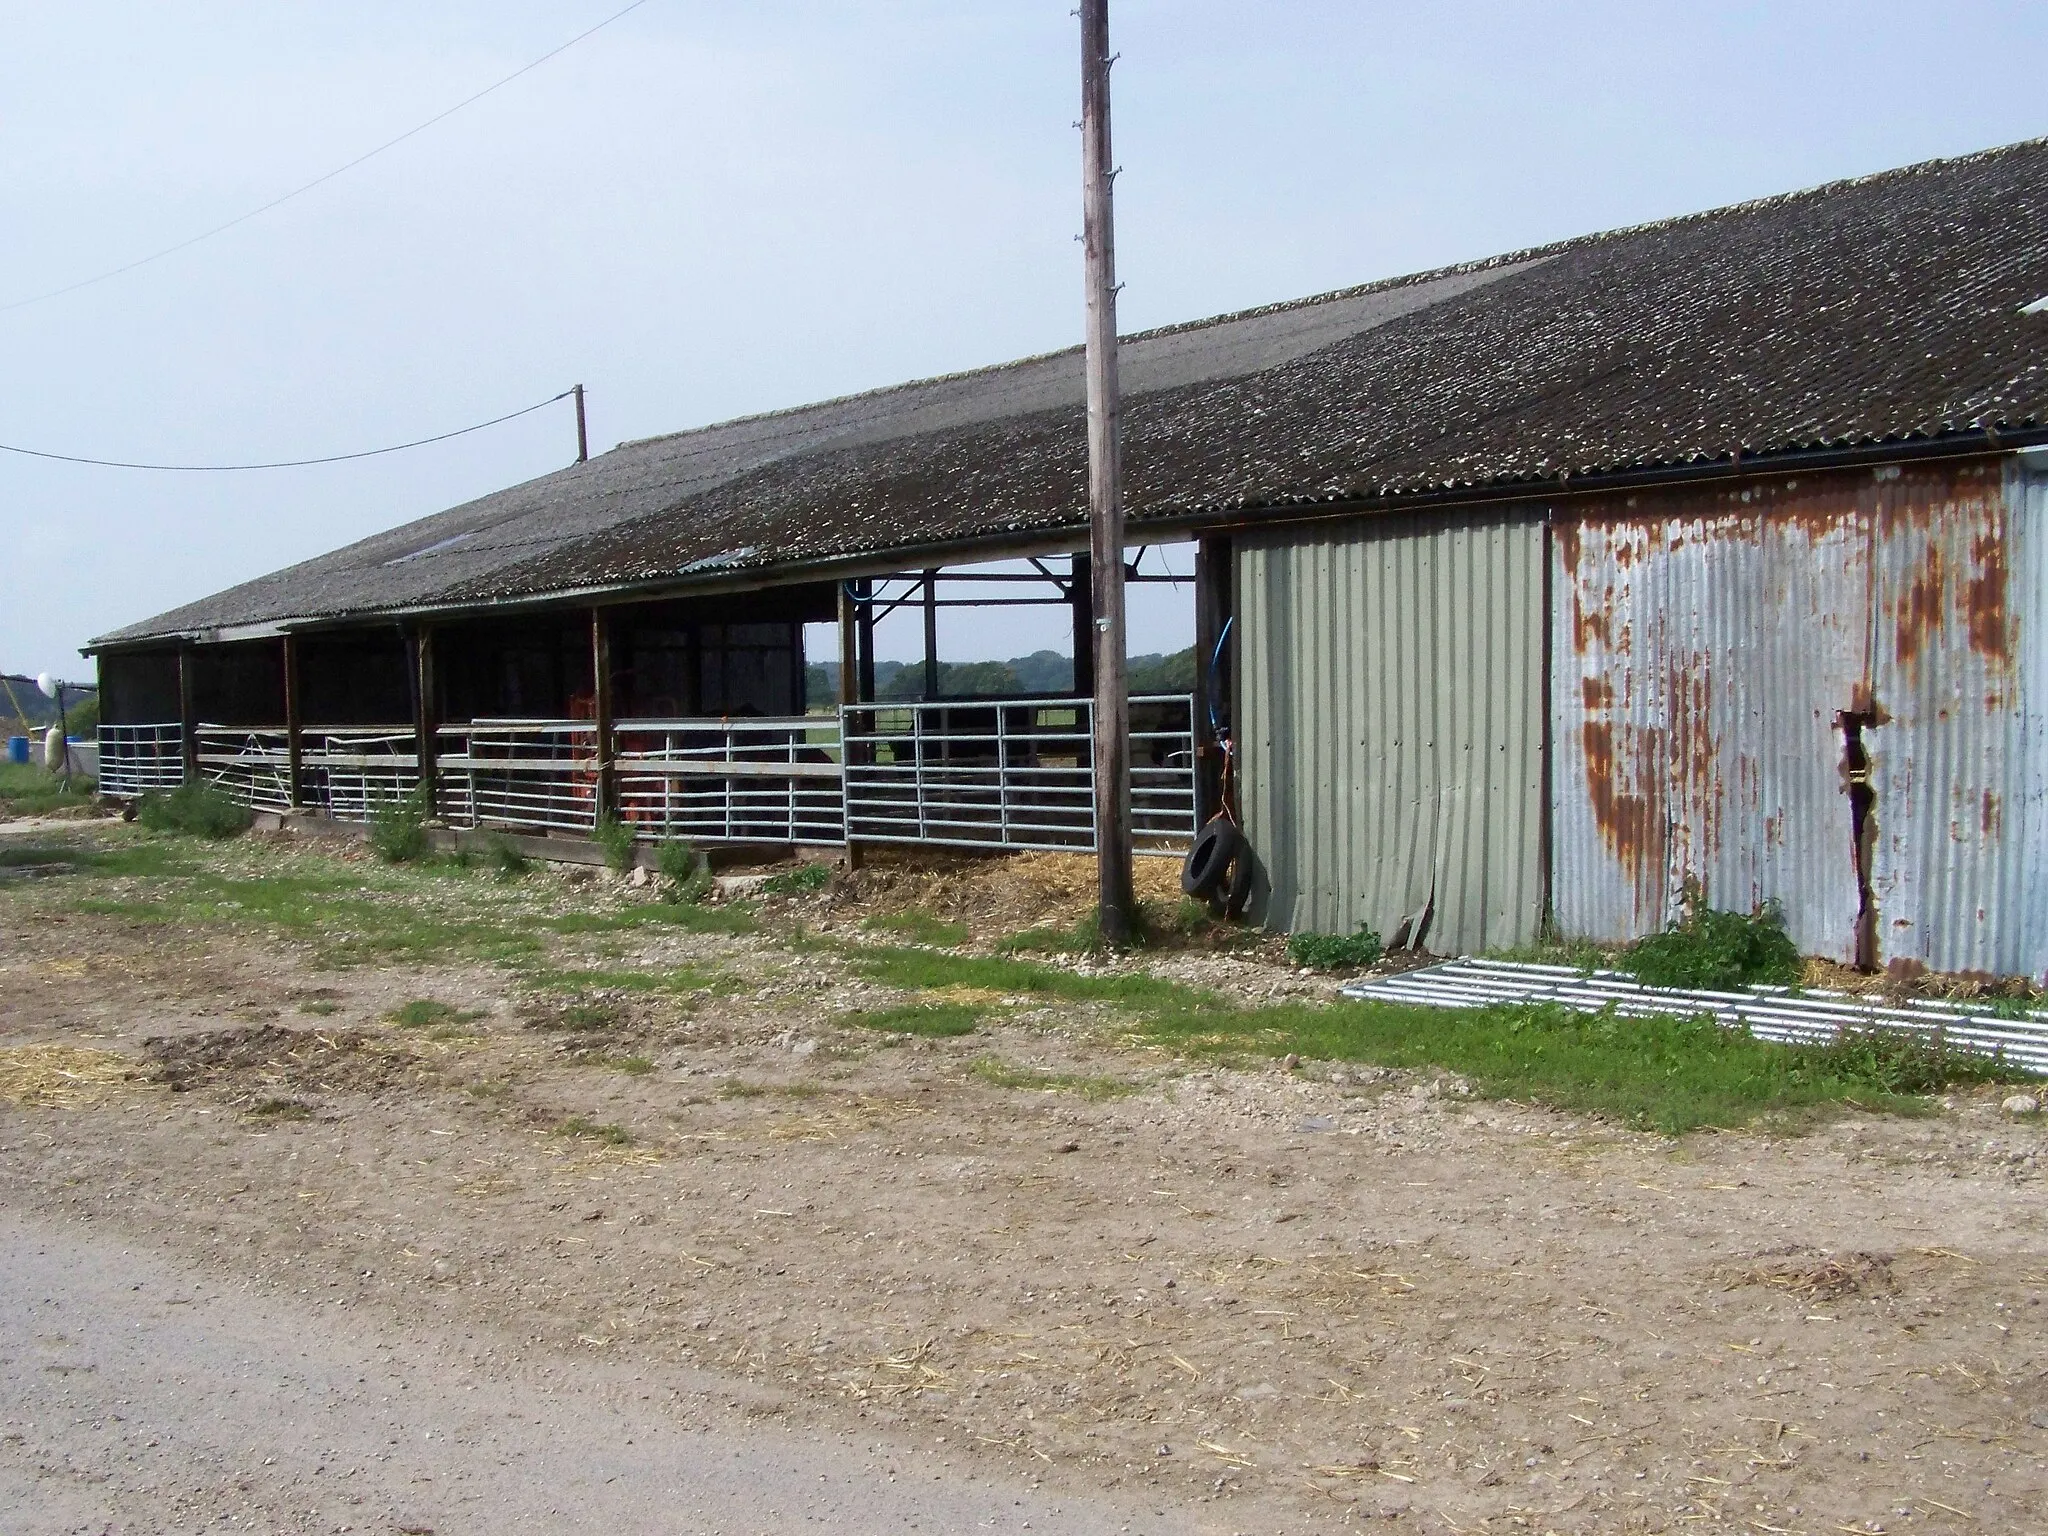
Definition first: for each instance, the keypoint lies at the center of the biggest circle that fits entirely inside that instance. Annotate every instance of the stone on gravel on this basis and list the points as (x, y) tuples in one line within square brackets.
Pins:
[(2022, 1104)]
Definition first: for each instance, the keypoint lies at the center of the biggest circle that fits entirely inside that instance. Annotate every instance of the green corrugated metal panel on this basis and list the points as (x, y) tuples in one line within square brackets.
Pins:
[(1390, 726)]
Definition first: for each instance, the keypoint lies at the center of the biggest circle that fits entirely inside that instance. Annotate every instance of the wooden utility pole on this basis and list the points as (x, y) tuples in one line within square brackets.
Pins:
[(1118, 909), (582, 430)]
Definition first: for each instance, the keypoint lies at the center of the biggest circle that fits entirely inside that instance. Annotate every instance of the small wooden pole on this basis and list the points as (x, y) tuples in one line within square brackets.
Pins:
[(582, 430), (188, 714), (1112, 745), (931, 634), (865, 681), (426, 711), (294, 742), (601, 698)]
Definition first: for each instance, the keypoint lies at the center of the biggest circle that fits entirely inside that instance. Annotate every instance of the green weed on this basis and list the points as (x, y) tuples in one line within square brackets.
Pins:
[(685, 873), (442, 1021), (671, 979), (398, 827), (931, 1020), (614, 839), (1717, 951), (1334, 951), (496, 851), (196, 809), (919, 970), (632, 1066), (280, 1109)]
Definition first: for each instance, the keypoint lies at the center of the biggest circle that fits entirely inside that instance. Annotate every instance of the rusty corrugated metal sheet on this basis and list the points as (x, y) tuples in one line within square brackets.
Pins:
[(1390, 726), (1715, 652)]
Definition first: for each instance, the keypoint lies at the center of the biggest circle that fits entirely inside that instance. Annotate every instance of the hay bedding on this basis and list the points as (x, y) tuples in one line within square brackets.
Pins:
[(995, 893), (269, 1055), (61, 1076)]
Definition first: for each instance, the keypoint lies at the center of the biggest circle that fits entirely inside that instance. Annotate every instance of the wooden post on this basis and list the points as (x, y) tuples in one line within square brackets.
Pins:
[(1112, 747), (849, 693), (426, 713), (1081, 594), (188, 715), (582, 430), (294, 745), (601, 696), (1212, 677), (931, 634)]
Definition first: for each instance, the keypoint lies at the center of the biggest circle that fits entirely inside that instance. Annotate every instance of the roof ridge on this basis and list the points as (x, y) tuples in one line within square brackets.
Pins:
[(1377, 285)]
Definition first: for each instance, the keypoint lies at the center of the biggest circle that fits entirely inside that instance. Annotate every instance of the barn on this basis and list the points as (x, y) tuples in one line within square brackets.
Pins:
[(1528, 593)]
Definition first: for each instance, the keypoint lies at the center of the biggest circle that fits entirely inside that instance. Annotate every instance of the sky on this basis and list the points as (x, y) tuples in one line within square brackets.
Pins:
[(711, 209)]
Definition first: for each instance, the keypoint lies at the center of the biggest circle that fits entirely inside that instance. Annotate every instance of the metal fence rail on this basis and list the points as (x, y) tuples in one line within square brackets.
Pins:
[(535, 774), (136, 759), (1012, 773), (349, 771), (731, 781), (252, 768)]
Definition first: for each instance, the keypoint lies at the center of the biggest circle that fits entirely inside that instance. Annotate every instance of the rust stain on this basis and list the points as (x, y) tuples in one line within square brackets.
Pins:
[(1628, 805), (1984, 600), (1990, 817), (1920, 606), (1597, 692)]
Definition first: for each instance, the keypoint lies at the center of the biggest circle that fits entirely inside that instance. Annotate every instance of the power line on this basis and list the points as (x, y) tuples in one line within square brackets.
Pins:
[(275, 202), (332, 458)]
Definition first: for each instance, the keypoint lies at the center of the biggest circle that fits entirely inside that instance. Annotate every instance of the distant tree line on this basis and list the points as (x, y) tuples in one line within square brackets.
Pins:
[(1042, 672)]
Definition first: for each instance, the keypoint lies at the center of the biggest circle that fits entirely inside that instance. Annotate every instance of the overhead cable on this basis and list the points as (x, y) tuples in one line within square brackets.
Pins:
[(275, 202), (332, 458)]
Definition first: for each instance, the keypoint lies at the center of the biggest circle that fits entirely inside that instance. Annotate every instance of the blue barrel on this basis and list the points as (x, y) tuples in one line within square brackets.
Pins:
[(17, 749)]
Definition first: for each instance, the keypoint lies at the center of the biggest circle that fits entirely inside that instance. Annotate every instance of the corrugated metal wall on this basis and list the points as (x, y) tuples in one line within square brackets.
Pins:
[(1711, 647), (1390, 725)]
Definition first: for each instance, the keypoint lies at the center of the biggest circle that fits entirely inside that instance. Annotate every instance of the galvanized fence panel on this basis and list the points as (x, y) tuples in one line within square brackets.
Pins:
[(533, 774), (732, 781), (136, 760), (252, 768), (351, 771), (1012, 773)]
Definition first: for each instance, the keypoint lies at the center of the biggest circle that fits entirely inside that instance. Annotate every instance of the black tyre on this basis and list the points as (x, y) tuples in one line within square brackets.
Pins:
[(1208, 860)]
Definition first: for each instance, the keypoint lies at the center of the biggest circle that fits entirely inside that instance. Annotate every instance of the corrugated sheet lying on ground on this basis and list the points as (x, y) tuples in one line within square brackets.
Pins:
[(1391, 730), (1874, 310), (1715, 650)]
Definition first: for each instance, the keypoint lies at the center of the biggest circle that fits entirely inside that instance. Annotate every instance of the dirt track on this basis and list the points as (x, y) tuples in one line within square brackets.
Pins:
[(1255, 1300)]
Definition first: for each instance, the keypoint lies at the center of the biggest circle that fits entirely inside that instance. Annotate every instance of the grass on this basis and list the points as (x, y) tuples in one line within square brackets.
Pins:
[(632, 1066), (686, 875), (586, 1129), (428, 1014), (924, 970), (1669, 1075), (27, 790), (1000, 1074), (280, 1109), (918, 927), (1160, 925), (730, 918), (669, 979), (398, 827), (932, 1020), (805, 880)]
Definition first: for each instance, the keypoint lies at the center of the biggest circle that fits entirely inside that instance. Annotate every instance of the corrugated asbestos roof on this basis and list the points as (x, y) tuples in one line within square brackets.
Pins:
[(1882, 309)]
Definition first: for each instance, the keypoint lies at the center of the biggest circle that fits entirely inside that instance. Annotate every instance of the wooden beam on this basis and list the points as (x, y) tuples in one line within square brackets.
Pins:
[(188, 713), (426, 711), (601, 696), (294, 727), (1112, 745)]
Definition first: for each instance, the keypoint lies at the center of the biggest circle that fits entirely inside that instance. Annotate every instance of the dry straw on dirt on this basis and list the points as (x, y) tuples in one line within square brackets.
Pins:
[(61, 1076), (1812, 1276)]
